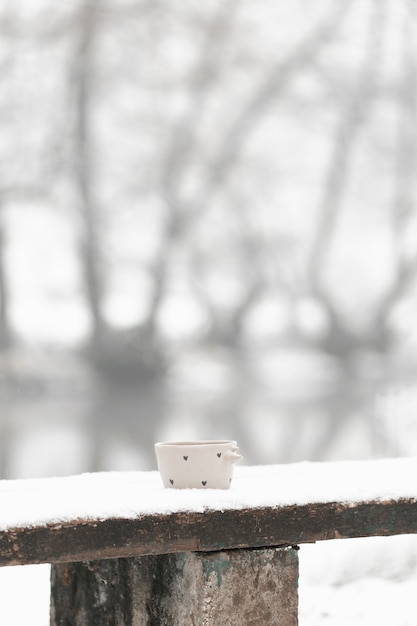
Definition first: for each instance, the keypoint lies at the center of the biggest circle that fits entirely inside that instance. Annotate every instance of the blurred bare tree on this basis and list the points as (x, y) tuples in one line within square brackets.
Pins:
[(235, 175)]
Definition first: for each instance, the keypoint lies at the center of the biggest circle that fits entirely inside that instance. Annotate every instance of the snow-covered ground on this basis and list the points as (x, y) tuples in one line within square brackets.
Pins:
[(24, 595), (359, 581)]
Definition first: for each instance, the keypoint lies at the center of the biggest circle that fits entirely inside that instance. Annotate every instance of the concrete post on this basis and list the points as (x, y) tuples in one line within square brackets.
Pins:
[(251, 587)]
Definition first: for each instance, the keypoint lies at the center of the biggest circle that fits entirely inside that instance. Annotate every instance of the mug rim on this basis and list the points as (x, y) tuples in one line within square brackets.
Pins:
[(196, 443)]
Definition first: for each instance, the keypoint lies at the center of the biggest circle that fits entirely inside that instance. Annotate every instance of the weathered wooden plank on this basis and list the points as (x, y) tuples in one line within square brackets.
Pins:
[(206, 531), (250, 587)]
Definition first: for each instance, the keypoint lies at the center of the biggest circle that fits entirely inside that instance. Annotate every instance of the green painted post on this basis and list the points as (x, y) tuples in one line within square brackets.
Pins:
[(251, 587)]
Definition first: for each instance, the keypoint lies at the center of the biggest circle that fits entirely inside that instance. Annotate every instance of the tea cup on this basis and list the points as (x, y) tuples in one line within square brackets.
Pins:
[(197, 464)]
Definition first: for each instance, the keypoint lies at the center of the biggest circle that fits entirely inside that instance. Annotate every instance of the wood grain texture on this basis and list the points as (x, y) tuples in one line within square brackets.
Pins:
[(83, 540)]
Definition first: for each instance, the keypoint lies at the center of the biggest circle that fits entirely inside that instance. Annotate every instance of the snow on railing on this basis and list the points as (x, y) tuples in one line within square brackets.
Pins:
[(122, 545)]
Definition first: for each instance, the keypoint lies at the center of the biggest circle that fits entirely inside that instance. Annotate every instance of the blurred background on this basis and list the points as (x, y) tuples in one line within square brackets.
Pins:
[(208, 229)]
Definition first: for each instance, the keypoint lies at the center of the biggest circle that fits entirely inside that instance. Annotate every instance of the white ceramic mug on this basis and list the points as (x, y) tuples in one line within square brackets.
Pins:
[(197, 464)]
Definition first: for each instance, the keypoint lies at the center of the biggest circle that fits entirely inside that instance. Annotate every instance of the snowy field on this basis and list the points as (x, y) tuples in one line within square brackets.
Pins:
[(361, 582)]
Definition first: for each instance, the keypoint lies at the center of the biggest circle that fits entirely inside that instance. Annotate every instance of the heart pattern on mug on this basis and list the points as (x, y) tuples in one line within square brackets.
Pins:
[(196, 481)]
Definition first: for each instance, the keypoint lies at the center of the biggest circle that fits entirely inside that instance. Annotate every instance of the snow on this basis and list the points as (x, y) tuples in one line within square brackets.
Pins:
[(24, 595), (360, 581), (363, 602), (37, 502)]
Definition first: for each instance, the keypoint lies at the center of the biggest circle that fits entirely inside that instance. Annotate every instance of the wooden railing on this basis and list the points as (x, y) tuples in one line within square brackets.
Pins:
[(124, 551)]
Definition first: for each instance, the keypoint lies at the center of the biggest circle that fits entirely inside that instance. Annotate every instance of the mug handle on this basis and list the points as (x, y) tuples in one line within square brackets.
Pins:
[(232, 457)]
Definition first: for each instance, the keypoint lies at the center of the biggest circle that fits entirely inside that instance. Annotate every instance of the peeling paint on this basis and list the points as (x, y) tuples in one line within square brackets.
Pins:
[(216, 566)]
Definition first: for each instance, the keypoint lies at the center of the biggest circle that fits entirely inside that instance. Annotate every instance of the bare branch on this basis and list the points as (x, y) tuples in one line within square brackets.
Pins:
[(50, 27), (200, 85), (174, 161), (345, 141), (404, 203), (272, 87), (84, 167)]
